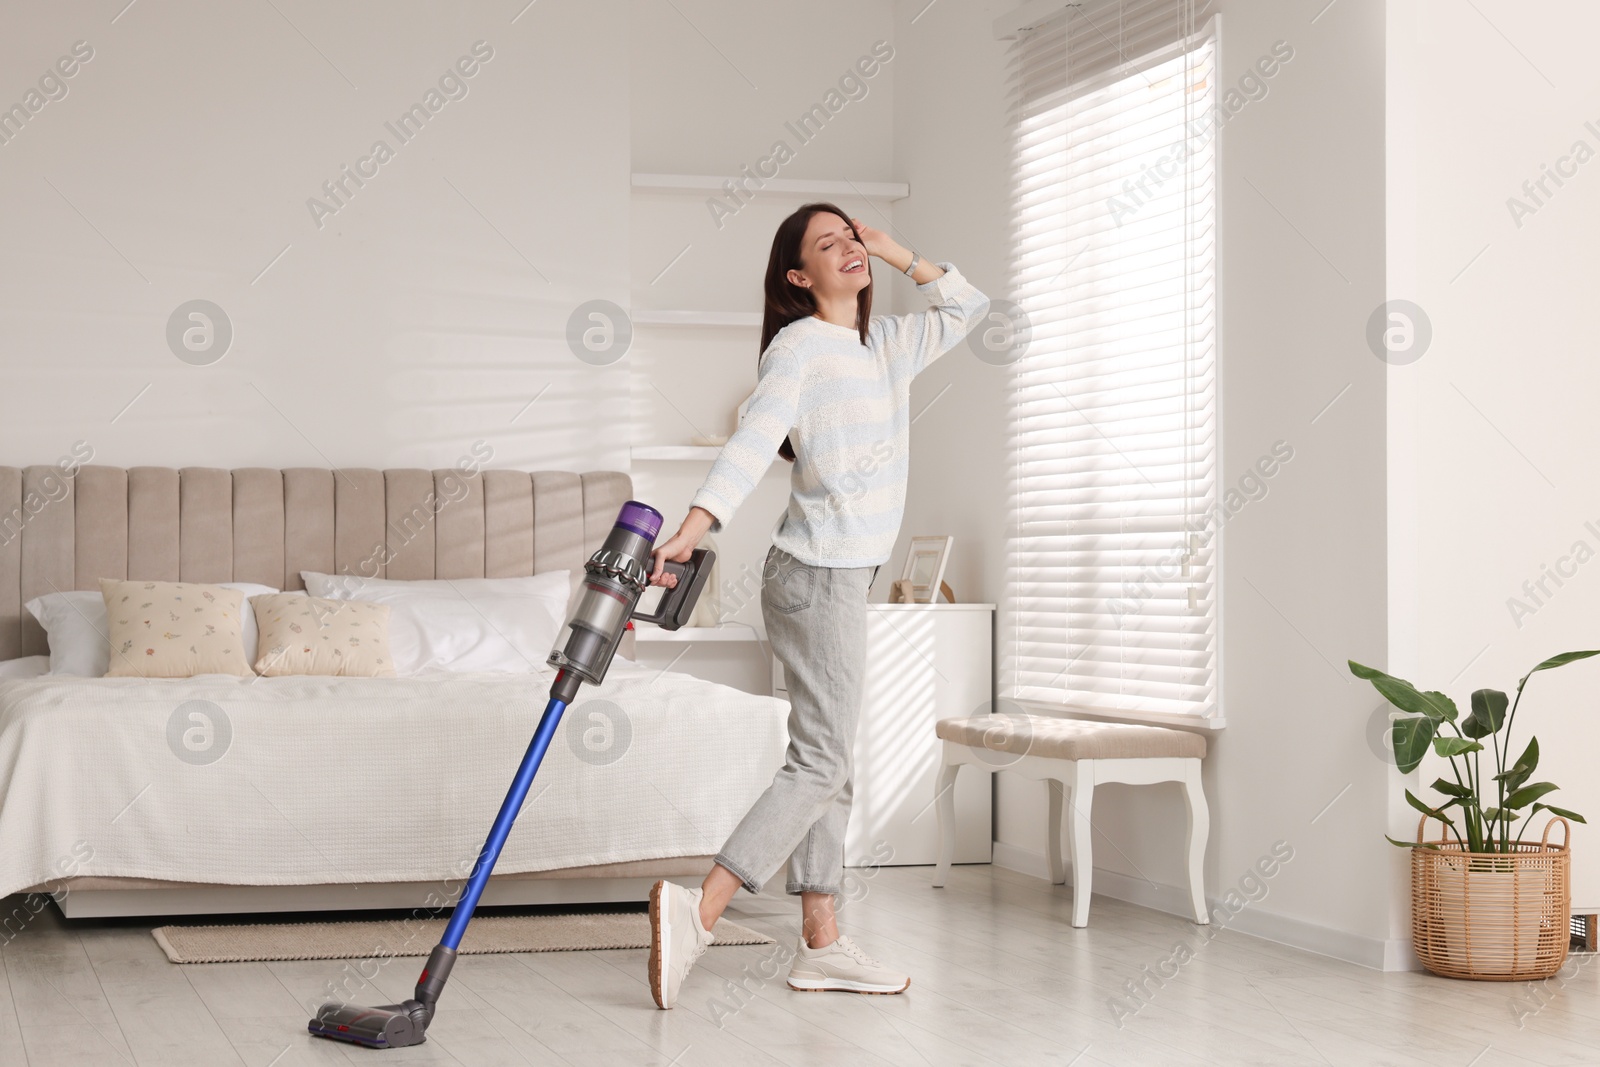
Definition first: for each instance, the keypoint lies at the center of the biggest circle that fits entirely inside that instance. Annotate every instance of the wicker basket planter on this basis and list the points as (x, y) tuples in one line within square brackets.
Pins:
[(1488, 904), (1493, 916)]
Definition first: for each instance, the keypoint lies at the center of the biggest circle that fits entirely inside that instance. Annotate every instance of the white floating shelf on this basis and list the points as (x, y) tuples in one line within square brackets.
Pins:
[(652, 634), (646, 317), (670, 452), (712, 183)]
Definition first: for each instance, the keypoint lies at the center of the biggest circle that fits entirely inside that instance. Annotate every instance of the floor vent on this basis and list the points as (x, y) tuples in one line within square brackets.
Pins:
[(1583, 931)]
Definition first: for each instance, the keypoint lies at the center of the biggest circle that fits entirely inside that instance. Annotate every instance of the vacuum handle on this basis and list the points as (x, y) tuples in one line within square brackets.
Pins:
[(676, 604)]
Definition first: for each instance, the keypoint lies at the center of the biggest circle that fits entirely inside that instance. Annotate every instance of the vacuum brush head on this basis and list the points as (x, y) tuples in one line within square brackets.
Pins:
[(389, 1026)]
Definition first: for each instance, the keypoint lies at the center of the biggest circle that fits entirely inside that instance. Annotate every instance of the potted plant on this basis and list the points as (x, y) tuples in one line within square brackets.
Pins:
[(1488, 904)]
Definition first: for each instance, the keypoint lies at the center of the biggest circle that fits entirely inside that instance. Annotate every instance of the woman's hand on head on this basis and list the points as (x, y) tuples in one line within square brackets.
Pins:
[(876, 241), (679, 547)]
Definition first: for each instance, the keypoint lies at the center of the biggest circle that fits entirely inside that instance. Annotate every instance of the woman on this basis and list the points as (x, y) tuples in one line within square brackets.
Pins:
[(833, 398)]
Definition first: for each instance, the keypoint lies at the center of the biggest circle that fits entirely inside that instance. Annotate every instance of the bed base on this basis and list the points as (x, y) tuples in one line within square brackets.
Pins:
[(107, 898)]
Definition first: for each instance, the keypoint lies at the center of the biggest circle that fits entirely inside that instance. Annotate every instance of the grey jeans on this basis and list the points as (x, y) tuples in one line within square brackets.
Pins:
[(816, 619)]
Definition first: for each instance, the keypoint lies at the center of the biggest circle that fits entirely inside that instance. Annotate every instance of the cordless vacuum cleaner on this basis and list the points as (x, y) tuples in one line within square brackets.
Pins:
[(615, 578)]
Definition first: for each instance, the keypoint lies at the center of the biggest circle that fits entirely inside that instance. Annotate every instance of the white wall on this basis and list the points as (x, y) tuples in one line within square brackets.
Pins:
[(1304, 569), (423, 316), (952, 146), (1497, 416)]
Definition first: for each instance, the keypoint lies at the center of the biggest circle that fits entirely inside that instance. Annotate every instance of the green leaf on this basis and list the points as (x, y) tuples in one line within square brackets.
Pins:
[(1403, 695), (1488, 713), (1529, 793), (1411, 737), (1519, 771), (1443, 706), (1455, 746), (1411, 844), (1449, 788), (1563, 812), (1493, 814), (1558, 661), (1436, 813)]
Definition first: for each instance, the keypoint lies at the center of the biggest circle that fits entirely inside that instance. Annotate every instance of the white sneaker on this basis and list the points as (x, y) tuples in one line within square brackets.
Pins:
[(677, 939), (842, 966)]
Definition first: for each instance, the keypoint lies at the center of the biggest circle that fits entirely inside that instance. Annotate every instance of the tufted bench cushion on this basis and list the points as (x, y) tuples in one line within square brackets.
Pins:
[(1070, 739)]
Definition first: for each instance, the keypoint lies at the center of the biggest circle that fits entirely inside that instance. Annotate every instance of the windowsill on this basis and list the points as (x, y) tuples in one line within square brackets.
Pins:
[(1129, 715)]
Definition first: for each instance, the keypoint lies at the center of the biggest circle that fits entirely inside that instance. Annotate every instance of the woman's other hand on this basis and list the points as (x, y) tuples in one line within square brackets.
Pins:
[(680, 546)]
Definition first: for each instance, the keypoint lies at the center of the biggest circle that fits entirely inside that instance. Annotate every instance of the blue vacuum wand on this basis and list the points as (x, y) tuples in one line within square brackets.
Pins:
[(615, 578)]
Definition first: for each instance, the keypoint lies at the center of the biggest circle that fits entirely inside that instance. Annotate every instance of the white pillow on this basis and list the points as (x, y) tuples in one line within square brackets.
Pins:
[(26, 667), (461, 624), (77, 627)]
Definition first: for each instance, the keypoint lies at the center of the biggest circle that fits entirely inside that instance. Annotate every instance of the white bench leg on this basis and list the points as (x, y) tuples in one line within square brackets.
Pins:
[(945, 801), (1052, 844), (1199, 828), (1080, 841)]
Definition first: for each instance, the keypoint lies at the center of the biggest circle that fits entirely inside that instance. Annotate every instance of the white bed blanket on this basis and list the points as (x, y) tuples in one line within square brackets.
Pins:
[(367, 780)]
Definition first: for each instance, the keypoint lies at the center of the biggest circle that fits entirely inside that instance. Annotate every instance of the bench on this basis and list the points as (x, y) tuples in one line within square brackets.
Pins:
[(1072, 756)]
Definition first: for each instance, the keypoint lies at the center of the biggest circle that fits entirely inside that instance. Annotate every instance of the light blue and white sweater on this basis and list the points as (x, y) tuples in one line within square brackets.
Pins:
[(846, 409)]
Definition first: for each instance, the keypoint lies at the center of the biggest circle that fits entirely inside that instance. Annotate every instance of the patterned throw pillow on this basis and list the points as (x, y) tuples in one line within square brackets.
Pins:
[(313, 635), (173, 629)]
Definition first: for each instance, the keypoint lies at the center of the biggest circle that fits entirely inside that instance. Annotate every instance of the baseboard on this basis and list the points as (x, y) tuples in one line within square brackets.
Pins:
[(1379, 954)]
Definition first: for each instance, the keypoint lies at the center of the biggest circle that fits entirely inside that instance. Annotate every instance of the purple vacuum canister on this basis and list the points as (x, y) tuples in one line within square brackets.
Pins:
[(642, 519)]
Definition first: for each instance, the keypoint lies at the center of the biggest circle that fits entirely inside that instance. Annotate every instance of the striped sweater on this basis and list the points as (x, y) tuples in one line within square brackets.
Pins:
[(846, 409)]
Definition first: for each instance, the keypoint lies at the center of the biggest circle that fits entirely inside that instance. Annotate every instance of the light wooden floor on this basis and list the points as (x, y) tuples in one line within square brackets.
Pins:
[(998, 977)]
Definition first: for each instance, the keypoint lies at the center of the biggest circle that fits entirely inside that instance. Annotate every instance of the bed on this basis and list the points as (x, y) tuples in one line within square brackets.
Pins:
[(341, 793)]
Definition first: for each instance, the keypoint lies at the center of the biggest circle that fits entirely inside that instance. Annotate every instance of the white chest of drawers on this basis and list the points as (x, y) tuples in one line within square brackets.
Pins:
[(925, 662)]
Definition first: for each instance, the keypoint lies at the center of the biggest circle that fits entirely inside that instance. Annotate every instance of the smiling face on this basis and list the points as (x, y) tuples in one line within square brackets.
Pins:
[(833, 260)]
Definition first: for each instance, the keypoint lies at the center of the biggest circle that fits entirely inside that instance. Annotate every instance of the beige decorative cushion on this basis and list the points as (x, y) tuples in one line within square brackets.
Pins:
[(313, 635), (173, 629), (1070, 739)]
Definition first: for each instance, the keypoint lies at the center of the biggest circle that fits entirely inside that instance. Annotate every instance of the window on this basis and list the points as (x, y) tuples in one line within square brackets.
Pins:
[(1110, 602)]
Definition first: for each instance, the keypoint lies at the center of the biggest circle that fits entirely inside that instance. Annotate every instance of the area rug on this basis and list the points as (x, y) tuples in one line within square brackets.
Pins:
[(407, 937)]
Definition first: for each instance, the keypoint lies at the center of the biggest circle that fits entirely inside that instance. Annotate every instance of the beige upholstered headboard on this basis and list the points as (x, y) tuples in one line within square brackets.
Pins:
[(255, 524)]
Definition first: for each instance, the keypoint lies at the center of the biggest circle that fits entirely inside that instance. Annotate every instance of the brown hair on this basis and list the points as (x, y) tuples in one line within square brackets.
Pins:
[(785, 301)]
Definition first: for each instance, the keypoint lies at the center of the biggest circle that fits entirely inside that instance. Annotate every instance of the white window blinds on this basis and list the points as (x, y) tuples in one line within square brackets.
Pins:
[(1110, 599)]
